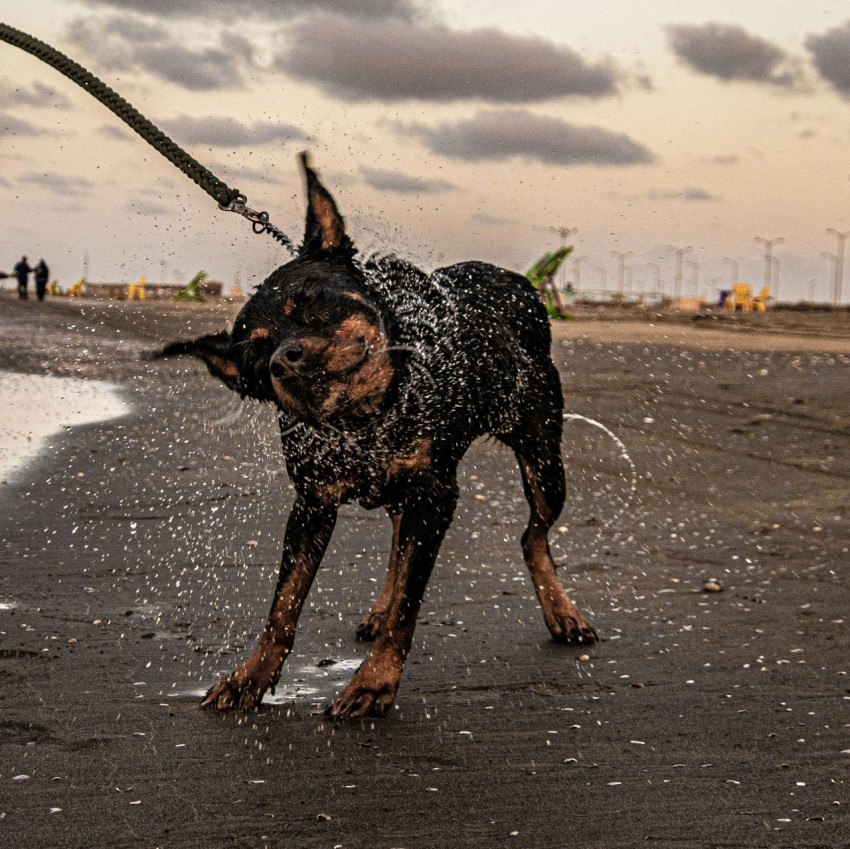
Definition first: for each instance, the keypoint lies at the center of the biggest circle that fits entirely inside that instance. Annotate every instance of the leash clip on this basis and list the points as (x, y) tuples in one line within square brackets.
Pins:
[(259, 220)]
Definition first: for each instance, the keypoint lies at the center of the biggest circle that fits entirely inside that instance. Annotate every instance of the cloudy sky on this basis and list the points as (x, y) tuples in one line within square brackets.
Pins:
[(447, 130)]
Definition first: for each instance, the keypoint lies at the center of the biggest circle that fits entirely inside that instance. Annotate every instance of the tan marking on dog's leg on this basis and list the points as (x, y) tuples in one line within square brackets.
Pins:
[(308, 531), (562, 617), (245, 686), (373, 688), (422, 527), (373, 621)]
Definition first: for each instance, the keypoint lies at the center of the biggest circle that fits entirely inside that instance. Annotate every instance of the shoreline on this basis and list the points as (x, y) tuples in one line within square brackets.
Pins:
[(39, 408)]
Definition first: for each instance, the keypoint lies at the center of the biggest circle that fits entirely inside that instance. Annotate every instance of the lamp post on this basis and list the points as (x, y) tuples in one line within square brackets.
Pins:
[(834, 260), (603, 281), (693, 265), (564, 233), (839, 263), (656, 268), (677, 281), (777, 277), (621, 256), (577, 261), (768, 257)]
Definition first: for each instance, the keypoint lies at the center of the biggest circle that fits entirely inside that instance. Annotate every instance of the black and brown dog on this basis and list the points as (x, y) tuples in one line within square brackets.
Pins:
[(383, 376)]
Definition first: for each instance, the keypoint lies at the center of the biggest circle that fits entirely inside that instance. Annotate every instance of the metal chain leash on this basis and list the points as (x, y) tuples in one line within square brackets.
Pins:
[(230, 200)]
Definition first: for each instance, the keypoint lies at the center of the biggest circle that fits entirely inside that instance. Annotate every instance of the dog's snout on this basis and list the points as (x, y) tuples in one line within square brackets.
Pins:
[(287, 359)]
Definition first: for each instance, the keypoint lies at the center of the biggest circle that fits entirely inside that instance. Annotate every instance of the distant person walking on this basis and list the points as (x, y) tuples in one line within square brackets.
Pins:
[(22, 272), (41, 272)]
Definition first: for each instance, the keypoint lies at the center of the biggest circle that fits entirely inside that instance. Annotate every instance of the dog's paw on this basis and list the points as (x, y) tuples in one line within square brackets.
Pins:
[(371, 691), (356, 702), (234, 692), (370, 627), (572, 628)]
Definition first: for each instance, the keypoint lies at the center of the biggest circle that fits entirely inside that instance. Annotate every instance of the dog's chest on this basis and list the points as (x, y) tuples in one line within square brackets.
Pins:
[(339, 468)]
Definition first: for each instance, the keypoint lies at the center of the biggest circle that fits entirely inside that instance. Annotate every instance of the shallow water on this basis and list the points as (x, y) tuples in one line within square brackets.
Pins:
[(36, 408)]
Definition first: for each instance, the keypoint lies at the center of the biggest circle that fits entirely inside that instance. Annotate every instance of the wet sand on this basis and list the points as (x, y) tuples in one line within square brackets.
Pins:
[(138, 560)]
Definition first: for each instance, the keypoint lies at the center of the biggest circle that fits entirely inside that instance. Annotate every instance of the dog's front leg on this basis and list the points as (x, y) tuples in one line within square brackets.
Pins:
[(373, 621), (308, 532), (421, 528)]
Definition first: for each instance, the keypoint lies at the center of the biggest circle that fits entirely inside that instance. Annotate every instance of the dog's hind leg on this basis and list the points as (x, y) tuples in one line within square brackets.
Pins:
[(308, 532), (373, 621), (537, 445), (421, 528)]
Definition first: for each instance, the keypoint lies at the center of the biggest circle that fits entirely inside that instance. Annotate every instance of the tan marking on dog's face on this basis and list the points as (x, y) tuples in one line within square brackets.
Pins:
[(350, 343), (363, 392), (358, 366), (371, 384), (260, 333)]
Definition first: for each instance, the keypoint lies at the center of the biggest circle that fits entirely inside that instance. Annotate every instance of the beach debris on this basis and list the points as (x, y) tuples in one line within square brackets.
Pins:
[(712, 585)]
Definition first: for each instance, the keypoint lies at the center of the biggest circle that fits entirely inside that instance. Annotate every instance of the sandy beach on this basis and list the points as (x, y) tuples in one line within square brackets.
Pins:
[(709, 544)]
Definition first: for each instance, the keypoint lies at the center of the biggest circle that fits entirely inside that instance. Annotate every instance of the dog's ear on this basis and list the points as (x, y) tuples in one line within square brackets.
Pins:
[(214, 350), (325, 228)]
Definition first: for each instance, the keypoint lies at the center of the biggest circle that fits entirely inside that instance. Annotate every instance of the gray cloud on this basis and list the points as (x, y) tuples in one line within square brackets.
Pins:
[(692, 194), (125, 43), (225, 131), (12, 126), (400, 61), (197, 70), (39, 96), (831, 56), (112, 131), (492, 220), (61, 184), (267, 10), (239, 173), (150, 208), (403, 184), (492, 135), (724, 159), (728, 52)]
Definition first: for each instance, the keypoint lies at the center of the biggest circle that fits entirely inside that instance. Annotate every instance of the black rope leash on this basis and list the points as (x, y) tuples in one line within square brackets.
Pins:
[(231, 200)]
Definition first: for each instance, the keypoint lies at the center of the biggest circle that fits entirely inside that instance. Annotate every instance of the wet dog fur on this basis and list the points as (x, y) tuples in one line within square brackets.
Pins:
[(383, 376)]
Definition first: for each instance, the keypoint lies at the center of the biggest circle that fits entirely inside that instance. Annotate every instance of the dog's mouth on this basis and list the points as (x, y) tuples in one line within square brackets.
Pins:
[(322, 382)]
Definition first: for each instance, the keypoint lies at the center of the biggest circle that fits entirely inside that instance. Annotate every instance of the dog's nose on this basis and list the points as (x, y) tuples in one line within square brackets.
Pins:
[(287, 359)]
